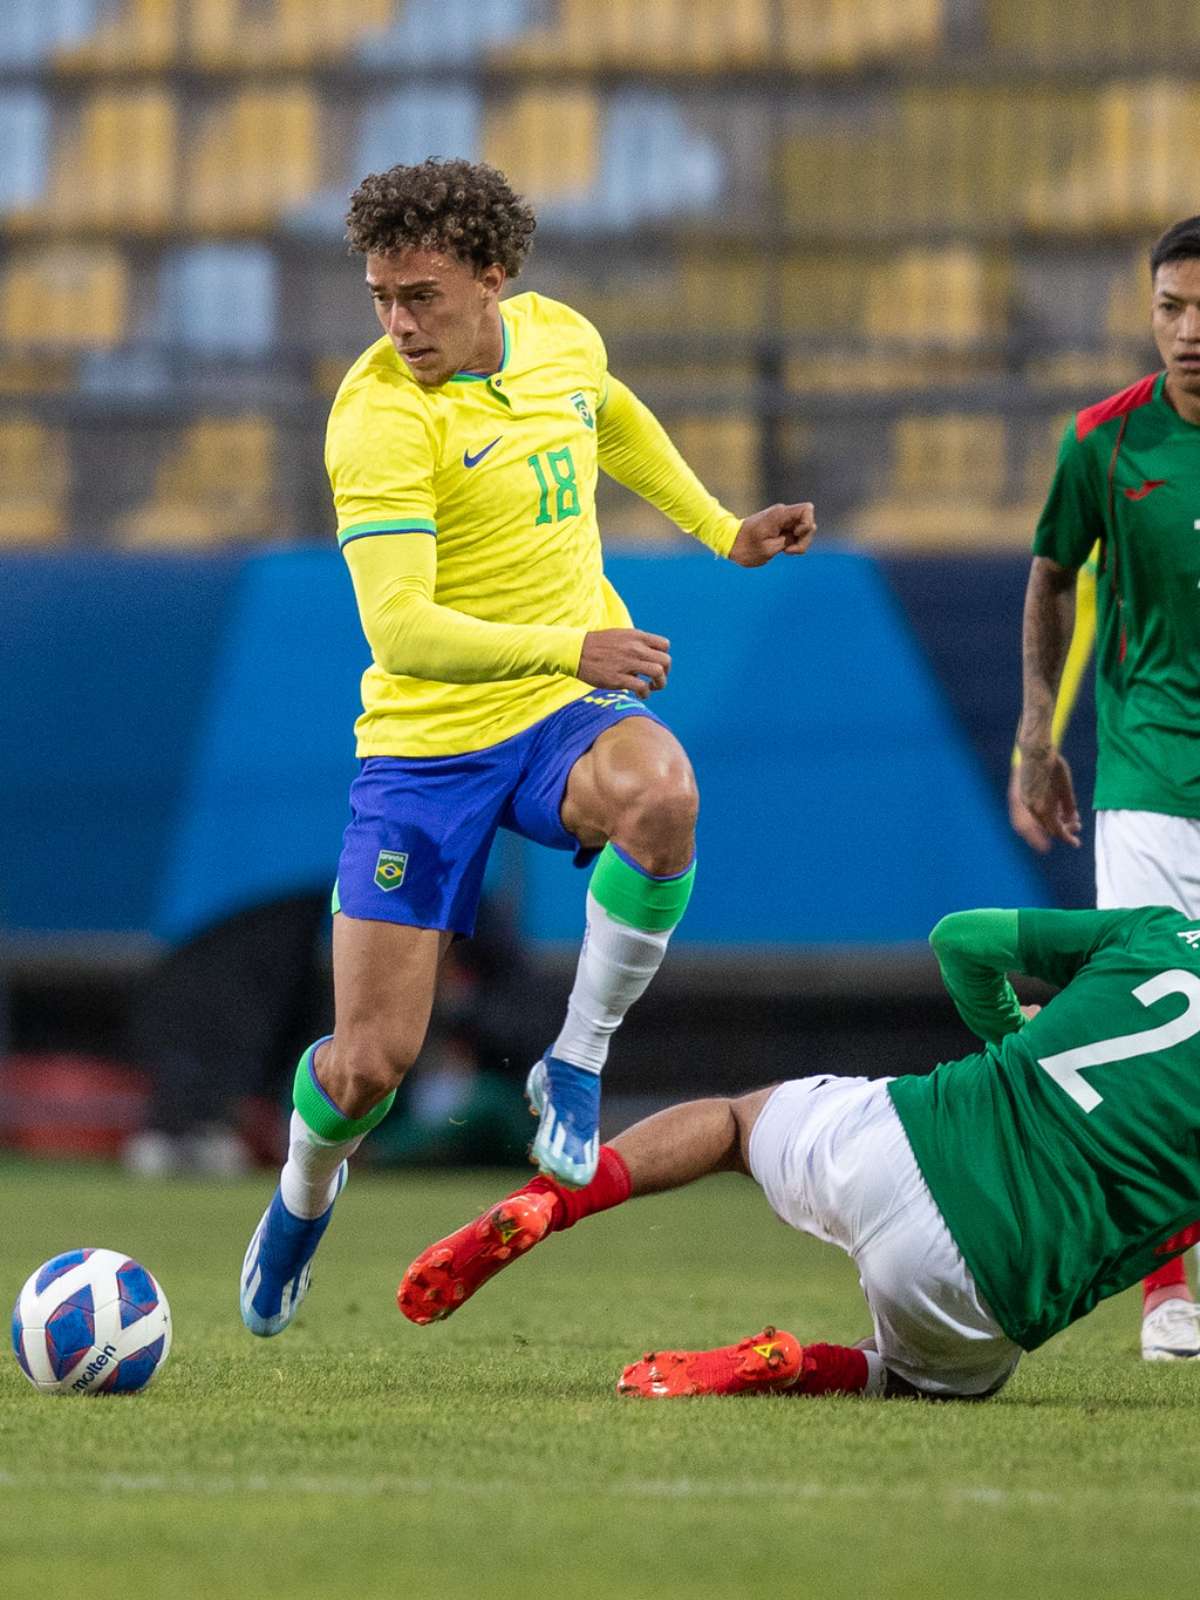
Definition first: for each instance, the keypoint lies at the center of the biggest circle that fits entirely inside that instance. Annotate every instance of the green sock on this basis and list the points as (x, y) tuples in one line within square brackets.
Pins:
[(637, 898), (318, 1111)]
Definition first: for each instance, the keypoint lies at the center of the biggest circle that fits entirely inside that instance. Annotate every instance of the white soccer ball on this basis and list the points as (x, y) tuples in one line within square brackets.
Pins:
[(91, 1322)]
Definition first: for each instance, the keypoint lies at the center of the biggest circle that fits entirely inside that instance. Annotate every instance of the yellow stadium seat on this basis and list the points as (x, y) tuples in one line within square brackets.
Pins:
[(845, 34), (64, 297), (113, 166), (35, 481), (257, 155), (1137, 167), (215, 485), (1052, 32), (547, 141), (947, 487), (293, 33), (134, 33), (651, 35)]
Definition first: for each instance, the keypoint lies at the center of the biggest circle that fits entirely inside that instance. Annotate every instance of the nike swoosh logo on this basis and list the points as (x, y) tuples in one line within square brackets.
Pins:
[(1147, 488), (470, 460)]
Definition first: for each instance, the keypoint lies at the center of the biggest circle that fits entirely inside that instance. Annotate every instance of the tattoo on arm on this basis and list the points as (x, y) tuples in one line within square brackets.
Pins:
[(1045, 639)]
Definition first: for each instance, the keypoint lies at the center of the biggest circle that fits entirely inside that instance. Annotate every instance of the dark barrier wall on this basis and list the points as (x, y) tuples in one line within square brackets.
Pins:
[(175, 742)]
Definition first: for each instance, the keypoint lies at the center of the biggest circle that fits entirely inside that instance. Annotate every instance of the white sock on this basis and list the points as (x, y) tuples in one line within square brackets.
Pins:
[(616, 964), (308, 1181)]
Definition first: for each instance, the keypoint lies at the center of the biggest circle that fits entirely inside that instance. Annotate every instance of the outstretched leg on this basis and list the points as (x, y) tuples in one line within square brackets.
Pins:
[(665, 1151)]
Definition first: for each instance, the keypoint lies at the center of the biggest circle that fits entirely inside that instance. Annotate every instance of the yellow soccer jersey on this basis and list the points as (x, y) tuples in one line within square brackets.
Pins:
[(467, 516)]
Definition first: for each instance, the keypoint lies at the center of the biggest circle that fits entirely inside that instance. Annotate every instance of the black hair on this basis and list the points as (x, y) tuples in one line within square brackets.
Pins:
[(1181, 242)]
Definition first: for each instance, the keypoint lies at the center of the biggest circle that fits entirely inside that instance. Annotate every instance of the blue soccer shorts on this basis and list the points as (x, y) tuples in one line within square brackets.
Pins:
[(422, 827)]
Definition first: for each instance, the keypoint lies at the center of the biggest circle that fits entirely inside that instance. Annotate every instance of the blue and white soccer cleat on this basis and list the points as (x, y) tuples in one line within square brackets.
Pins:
[(566, 1146), (278, 1264)]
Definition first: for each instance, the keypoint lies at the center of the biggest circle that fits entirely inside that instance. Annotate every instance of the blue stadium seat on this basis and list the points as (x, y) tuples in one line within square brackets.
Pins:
[(24, 137), (31, 30), (652, 165), (217, 298), (430, 32), (413, 124)]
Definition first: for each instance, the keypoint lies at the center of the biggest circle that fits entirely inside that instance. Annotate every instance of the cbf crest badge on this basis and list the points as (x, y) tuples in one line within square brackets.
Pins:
[(390, 869), (579, 401)]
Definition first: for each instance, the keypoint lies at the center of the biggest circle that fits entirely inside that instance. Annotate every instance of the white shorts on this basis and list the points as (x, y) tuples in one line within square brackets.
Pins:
[(833, 1160), (1146, 858)]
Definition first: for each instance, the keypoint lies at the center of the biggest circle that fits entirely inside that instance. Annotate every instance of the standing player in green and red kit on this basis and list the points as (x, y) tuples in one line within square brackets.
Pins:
[(463, 450), (986, 1206), (1129, 476)]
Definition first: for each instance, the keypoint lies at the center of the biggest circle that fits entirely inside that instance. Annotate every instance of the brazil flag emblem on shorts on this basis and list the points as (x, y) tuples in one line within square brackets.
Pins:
[(390, 869)]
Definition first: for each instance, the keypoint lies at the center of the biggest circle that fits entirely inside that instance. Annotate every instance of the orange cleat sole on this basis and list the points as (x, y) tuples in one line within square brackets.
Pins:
[(768, 1362), (448, 1273)]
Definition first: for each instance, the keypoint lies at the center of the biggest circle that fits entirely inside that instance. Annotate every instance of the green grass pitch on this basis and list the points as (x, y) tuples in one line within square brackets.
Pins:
[(489, 1457)]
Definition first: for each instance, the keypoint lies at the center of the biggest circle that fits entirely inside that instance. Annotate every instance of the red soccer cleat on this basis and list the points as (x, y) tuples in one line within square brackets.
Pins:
[(769, 1361), (449, 1272)]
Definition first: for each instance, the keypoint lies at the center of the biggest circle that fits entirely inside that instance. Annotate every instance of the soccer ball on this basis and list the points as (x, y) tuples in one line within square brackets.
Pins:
[(91, 1322)]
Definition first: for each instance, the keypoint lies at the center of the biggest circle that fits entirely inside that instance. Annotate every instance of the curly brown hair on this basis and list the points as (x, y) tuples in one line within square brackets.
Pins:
[(466, 209)]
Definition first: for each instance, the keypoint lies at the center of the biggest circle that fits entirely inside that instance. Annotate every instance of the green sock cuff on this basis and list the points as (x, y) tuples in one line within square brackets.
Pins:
[(319, 1112), (637, 899)]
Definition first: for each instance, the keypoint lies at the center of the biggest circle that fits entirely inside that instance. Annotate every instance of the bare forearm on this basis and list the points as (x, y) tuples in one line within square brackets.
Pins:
[(1049, 621)]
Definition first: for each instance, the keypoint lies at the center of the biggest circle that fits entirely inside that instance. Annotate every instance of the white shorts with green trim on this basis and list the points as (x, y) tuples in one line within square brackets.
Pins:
[(833, 1160)]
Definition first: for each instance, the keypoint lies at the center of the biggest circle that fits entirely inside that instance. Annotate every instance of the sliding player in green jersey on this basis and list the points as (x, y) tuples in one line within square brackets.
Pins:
[(1129, 477), (986, 1206), (507, 683)]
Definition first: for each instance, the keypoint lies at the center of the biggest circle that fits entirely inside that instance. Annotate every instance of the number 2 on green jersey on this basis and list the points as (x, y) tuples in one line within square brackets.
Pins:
[(1067, 1066), (561, 480)]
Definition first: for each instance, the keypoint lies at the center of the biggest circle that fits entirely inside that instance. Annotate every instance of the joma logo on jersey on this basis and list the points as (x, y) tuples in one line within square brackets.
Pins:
[(579, 401), (390, 869)]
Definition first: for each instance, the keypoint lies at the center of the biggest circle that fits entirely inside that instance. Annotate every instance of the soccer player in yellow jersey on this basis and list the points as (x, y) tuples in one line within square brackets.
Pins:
[(463, 451)]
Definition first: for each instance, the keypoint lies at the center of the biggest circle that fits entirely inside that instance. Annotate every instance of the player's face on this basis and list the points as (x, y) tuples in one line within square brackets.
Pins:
[(1176, 321), (440, 314)]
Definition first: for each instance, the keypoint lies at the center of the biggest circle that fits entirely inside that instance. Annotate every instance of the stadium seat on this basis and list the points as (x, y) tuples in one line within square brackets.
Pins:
[(1139, 166), (216, 484), (62, 297), (546, 140), (946, 487), (258, 153), (651, 35), (24, 138), (288, 33), (130, 33), (844, 34), (1052, 32), (113, 165), (35, 481)]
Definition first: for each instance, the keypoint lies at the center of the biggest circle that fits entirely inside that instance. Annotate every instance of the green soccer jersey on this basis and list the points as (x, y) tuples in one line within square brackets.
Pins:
[(1065, 1156), (1129, 475)]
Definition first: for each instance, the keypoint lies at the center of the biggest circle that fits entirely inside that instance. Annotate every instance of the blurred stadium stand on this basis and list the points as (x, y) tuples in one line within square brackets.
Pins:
[(871, 249)]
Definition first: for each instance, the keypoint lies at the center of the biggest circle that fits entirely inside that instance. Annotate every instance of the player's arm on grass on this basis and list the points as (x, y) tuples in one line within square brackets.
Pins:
[(635, 449)]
